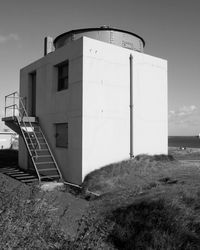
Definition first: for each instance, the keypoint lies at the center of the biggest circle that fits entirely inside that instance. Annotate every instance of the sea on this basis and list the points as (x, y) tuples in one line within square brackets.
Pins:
[(184, 141)]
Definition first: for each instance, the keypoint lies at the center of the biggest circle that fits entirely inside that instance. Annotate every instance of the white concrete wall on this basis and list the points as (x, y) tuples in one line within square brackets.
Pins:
[(150, 126), (54, 106), (106, 99)]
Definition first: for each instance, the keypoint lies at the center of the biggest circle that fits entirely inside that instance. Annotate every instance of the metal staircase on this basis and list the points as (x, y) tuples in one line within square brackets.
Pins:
[(16, 117)]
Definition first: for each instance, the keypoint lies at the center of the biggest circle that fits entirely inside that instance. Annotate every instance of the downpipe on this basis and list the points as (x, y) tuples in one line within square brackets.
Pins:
[(131, 106)]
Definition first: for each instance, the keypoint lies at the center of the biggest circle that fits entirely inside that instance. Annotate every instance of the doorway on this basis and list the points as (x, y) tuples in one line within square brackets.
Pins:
[(32, 94)]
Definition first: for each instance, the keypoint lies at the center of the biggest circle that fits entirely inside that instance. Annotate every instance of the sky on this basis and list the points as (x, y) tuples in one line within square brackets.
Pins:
[(170, 29)]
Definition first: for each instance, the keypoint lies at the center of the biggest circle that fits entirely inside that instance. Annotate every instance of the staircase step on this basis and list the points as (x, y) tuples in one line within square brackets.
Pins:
[(34, 140), (47, 169), (50, 176), (24, 177), (32, 136), (42, 146), (40, 152), (9, 169), (48, 172), (47, 162), (42, 158), (11, 172), (19, 175), (38, 132)]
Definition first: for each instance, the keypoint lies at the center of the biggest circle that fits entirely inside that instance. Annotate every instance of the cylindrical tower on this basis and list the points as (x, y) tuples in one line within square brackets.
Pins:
[(106, 34)]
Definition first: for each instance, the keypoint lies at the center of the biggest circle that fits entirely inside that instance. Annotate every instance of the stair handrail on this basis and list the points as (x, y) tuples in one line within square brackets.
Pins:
[(26, 114), (15, 95), (19, 117)]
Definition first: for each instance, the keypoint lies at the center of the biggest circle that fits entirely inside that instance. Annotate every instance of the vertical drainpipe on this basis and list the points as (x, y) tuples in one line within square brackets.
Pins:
[(131, 106)]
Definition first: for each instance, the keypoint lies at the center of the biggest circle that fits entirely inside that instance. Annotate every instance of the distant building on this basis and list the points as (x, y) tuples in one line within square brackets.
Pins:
[(95, 100), (8, 140)]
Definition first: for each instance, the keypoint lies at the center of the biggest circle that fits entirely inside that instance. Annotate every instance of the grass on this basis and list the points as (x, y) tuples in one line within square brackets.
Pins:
[(164, 218), (164, 222), (28, 223), (150, 202)]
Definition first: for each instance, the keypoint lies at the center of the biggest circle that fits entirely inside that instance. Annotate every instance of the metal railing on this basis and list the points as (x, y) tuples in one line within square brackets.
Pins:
[(15, 107), (18, 110)]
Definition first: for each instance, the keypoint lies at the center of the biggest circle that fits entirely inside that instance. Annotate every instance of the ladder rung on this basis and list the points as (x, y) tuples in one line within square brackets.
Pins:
[(47, 162)]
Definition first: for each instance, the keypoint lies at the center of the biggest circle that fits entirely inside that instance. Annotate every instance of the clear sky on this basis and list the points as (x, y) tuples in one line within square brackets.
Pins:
[(169, 27)]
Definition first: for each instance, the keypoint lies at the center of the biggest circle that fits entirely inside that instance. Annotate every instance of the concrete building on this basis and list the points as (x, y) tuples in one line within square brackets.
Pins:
[(99, 99)]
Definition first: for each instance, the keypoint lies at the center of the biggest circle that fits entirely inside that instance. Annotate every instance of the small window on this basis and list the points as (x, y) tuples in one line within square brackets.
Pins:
[(63, 74), (62, 135)]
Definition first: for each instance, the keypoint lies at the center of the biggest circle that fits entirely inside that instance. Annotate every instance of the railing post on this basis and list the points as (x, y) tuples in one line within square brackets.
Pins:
[(5, 106), (14, 104)]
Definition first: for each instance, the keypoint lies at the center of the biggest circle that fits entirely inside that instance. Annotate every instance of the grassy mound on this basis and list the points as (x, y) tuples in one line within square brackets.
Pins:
[(134, 173), (145, 203)]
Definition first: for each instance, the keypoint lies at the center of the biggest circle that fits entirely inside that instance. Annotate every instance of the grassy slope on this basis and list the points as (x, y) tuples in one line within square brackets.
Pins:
[(145, 203)]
